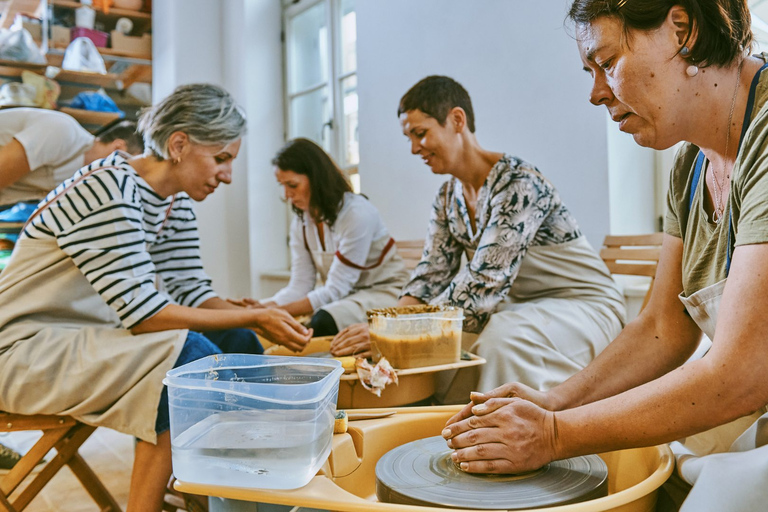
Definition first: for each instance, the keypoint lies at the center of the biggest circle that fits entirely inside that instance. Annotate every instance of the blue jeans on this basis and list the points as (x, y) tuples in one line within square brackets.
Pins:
[(197, 346)]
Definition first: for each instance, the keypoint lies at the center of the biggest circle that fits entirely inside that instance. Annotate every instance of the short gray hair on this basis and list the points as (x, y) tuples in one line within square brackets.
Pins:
[(207, 113)]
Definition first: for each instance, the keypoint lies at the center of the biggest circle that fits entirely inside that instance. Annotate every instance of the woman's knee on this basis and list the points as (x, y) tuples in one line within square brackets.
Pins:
[(323, 324)]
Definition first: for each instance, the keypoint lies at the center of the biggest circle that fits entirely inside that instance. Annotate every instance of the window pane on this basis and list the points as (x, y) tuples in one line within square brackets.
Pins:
[(310, 114), (308, 48), (348, 37), (349, 104)]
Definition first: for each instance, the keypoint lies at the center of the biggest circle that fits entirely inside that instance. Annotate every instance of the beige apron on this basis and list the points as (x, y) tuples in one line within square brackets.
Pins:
[(64, 351), (379, 284), (550, 326), (727, 464)]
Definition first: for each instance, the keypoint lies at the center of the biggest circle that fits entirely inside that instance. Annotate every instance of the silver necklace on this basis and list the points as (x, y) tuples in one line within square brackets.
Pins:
[(717, 215)]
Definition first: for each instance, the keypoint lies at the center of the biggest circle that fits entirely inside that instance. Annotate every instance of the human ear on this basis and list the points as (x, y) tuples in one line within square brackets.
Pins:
[(681, 23), (459, 118), (177, 143)]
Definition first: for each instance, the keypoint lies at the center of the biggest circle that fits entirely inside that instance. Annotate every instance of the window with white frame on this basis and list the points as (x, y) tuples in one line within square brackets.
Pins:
[(321, 77)]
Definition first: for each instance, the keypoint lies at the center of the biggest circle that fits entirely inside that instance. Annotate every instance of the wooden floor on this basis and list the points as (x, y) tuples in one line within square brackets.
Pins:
[(110, 454)]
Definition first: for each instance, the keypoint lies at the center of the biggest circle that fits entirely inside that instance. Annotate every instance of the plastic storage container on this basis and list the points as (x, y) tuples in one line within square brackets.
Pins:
[(416, 336), (252, 421)]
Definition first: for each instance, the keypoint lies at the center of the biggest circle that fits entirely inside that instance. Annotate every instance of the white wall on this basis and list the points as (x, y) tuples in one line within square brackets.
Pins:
[(529, 94), (631, 168), (514, 57), (235, 44)]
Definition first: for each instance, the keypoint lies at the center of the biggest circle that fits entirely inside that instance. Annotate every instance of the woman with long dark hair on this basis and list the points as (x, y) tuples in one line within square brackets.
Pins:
[(338, 235)]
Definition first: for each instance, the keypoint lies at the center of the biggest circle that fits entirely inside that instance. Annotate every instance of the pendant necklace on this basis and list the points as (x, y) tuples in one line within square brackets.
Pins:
[(717, 215)]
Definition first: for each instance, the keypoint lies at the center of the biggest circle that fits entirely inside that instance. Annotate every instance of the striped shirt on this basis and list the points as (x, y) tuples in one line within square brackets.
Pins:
[(114, 227)]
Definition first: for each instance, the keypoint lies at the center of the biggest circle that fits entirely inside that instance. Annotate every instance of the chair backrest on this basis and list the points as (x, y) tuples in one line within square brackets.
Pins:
[(635, 255), (410, 251)]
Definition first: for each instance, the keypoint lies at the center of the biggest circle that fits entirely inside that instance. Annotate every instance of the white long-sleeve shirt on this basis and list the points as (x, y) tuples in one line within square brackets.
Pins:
[(358, 225)]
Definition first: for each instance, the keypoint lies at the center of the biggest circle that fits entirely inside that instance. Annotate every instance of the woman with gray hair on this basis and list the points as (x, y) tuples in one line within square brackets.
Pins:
[(84, 331)]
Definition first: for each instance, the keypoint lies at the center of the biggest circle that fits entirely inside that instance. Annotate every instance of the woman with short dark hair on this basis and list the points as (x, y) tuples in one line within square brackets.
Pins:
[(669, 72)]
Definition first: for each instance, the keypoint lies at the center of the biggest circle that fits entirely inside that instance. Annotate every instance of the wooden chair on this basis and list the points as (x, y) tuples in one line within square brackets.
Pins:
[(66, 435), (410, 251), (635, 255)]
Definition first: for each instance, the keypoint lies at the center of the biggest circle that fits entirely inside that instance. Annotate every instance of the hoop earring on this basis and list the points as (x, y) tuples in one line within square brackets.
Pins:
[(177, 161)]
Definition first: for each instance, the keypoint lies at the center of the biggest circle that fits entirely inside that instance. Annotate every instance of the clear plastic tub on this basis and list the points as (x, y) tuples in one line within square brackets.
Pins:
[(252, 421), (416, 336)]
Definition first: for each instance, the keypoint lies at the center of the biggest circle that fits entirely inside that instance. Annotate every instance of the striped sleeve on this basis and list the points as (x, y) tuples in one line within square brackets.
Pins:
[(98, 223), (176, 256)]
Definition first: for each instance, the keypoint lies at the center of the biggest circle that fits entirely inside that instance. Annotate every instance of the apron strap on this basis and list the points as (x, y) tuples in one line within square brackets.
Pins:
[(384, 252), (78, 180), (700, 163)]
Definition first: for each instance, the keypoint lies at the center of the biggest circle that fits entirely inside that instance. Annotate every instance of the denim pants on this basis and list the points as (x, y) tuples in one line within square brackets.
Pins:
[(197, 346)]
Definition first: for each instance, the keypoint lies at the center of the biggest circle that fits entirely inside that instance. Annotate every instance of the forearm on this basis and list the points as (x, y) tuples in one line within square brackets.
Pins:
[(199, 319), (695, 397), (299, 307), (218, 303), (646, 349)]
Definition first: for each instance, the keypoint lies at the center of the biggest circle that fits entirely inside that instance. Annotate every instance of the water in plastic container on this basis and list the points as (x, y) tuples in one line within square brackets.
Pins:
[(234, 449), (252, 421)]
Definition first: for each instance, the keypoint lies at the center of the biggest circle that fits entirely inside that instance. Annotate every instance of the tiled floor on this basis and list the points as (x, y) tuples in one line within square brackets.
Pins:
[(110, 455)]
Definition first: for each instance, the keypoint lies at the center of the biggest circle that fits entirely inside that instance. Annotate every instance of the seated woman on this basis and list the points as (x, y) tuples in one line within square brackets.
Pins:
[(541, 301), (669, 71), (337, 235), (84, 331)]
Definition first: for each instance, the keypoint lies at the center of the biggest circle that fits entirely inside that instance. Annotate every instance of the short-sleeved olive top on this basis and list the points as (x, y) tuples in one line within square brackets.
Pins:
[(705, 244)]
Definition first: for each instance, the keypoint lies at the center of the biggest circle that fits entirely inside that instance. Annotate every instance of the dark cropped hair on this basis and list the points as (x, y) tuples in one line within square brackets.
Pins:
[(327, 183), (722, 27), (436, 96), (125, 130)]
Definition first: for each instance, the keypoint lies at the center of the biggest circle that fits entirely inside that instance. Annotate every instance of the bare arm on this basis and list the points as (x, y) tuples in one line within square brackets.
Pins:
[(13, 162), (729, 382), (215, 314), (660, 339), (298, 307)]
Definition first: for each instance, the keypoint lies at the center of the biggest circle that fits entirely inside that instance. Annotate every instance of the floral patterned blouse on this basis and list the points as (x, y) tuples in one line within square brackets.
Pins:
[(517, 209)]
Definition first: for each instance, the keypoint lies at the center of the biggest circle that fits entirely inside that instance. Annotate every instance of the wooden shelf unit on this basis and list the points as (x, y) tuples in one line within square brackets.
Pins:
[(123, 68)]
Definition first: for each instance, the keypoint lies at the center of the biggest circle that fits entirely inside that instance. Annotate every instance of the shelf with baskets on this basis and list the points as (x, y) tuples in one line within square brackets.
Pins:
[(128, 62)]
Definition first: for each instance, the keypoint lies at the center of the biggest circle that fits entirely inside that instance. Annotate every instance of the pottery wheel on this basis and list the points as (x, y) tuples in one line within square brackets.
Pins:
[(422, 473)]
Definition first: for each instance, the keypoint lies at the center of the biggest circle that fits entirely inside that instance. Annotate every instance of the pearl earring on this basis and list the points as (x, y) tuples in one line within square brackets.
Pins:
[(691, 70)]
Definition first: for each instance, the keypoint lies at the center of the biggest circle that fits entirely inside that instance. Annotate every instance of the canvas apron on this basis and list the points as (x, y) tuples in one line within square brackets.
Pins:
[(64, 351), (727, 465), (549, 327), (381, 279)]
